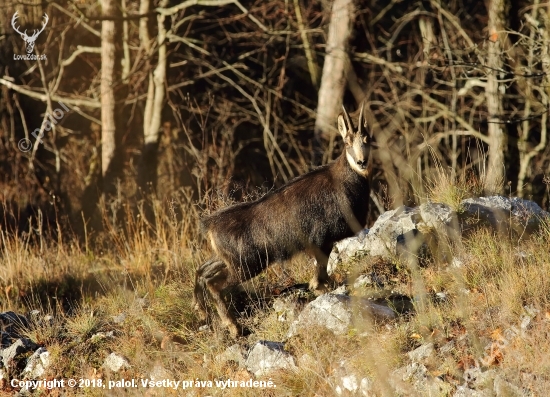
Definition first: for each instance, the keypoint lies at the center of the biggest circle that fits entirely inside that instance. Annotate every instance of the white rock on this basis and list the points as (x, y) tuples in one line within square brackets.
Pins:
[(442, 296), (116, 362), (328, 310), (464, 391), (335, 312), (119, 319), (349, 382), (421, 353), (362, 281), (346, 381), (37, 364), (499, 211), (399, 227), (478, 379), (232, 353), (413, 372), (20, 346), (266, 356)]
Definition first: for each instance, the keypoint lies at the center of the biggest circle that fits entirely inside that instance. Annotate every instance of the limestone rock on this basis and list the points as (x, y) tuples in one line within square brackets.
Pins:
[(347, 382), (37, 364), (410, 233), (232, 353), (502, 213), (266, 356), (421, 353), (116, 362), (335, 312), (21, 346)]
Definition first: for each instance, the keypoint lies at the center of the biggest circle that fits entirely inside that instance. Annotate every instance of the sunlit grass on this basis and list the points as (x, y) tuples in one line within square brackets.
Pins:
[(134, 297)]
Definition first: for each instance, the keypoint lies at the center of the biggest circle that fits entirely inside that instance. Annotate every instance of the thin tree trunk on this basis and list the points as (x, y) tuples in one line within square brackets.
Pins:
[(147, 170), (526, 151), (333, 80), (109, 72), (497, 138)]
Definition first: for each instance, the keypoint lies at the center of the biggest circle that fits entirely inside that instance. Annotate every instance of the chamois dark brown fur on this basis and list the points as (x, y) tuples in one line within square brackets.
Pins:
[(309, 214)]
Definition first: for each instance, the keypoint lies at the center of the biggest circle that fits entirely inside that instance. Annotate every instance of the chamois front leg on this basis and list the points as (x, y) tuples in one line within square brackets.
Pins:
[(215, 277), (200, 291), (320, 282)]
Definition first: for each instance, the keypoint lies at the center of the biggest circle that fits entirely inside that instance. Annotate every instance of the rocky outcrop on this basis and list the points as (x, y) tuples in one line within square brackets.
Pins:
[(407, 232), (20, 357)]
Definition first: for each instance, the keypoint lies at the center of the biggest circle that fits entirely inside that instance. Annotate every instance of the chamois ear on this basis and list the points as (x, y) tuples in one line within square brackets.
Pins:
[(342, 127), (345, 127)]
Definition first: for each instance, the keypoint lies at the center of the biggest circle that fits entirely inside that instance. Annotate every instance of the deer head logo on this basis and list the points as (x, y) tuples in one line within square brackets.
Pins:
[(29, 40)]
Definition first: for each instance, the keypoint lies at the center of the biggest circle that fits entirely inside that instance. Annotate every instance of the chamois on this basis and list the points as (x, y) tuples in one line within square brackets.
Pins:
[(309, 214)]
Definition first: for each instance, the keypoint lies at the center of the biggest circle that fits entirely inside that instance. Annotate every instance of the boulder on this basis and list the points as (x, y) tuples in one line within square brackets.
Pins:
[(266, 356), (335, 312), (502, 214), (411, 233), (11, 354)]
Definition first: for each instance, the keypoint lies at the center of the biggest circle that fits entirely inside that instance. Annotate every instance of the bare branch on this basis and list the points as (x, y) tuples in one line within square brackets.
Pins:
[(44, 98), (209, 3), (311, 64), (80, 21), (365, 57), (80, 49)]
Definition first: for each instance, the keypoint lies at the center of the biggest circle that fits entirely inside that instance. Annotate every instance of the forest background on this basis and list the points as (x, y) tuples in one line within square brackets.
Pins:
[(139, 117), (204, 99)]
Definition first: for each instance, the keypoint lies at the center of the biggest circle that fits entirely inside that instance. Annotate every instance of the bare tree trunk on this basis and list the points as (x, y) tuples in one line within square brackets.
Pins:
[(493, 94), (147, 170), (110, 74), (333, 80), (526, 151)]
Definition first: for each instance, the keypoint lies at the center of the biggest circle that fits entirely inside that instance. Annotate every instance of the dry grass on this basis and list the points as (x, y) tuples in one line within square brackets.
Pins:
[(148, 277), (447, 188)]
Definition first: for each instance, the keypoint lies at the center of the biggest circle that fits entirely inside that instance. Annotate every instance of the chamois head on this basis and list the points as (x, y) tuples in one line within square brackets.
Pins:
[(358, 142)]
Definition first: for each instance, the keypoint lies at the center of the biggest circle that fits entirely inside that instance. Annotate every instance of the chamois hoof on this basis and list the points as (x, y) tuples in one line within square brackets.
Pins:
[(236, 331)]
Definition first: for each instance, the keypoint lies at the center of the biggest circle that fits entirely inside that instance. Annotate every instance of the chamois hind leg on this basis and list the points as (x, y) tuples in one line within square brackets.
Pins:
[(320, 281), (215, 276)]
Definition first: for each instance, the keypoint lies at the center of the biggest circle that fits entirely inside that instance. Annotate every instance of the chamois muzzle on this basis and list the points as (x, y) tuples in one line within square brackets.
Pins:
[(362, 164)]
